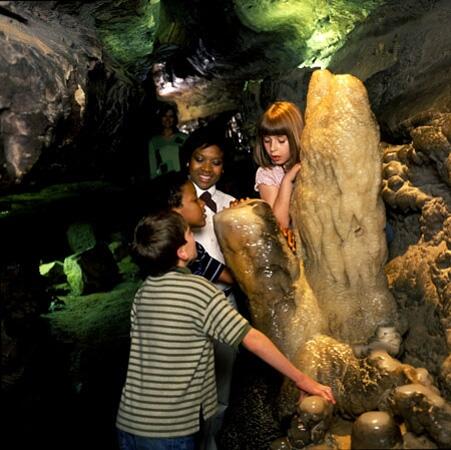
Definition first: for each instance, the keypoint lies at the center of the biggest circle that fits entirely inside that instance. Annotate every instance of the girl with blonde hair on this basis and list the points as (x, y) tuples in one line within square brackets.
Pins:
[(277, 153)]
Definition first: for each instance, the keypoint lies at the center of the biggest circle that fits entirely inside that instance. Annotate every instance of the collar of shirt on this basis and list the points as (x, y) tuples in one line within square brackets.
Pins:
[(182, 270), (200, 191)]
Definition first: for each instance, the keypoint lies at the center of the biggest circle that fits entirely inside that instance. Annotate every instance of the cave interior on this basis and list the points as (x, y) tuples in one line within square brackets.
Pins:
[(81, 85)]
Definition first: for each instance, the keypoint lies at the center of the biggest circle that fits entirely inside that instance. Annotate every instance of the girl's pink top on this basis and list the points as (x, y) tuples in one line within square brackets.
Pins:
[(271, 176)]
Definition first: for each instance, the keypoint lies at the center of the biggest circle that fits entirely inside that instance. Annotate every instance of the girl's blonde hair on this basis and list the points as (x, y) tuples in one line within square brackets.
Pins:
[(280, 118)]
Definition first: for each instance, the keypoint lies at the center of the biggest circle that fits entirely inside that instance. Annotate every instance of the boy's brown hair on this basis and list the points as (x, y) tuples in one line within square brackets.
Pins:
[(157, 238)]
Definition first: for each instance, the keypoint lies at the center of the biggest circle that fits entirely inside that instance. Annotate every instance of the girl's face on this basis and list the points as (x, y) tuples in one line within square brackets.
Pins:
[(192, 208), (206, 166), (278, 148)]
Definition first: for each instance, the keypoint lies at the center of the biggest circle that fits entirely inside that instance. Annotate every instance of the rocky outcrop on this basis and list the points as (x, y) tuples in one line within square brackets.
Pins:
[(416, 188), (62, 104), (339, 219), (338, 286), (402, 54)]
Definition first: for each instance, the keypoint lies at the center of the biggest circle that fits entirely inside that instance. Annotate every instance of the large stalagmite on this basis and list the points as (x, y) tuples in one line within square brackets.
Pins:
[(338, 211), (330, 302), (336, 286)]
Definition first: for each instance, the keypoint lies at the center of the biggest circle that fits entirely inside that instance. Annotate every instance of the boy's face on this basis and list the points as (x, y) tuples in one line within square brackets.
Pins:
[(193, 208), (206, 166), (190, 246)]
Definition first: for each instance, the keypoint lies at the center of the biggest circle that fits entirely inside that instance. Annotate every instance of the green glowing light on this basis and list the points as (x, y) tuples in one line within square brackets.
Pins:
[(311, 30), (133, 38)]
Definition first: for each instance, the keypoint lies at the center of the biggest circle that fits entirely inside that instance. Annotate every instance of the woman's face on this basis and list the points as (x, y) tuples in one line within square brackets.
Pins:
[(168, 119), (278, 148), (206, 166)]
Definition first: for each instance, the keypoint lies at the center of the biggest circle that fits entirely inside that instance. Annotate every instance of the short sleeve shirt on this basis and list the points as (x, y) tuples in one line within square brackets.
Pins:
[(271, 176), (171, 374)]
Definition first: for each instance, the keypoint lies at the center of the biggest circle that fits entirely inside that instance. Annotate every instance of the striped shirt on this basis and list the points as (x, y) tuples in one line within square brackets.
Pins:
[(208, 267), (170, 376), (205, 266)]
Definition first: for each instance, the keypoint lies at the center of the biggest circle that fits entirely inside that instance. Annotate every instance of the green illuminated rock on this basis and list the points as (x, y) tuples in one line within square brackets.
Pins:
[(80, 236), (53, 272), (310, 31), (93, 270), (129, 37)]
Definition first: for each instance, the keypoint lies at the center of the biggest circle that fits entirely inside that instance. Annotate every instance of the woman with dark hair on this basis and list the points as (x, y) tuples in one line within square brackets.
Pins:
[(164, 147)]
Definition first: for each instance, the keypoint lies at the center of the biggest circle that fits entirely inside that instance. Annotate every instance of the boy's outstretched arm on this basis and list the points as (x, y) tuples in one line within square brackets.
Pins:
[(259, 344)]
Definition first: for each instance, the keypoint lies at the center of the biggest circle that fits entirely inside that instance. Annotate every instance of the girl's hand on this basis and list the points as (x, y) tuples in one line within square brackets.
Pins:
[(291, 174), (289, 236)]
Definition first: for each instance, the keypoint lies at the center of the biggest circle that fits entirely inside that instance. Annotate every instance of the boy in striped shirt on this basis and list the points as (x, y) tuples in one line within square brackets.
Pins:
[(175, 317)]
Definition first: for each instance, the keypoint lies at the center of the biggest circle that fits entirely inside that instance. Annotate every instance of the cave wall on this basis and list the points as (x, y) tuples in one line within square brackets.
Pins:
[(65, 105), (403, 56)]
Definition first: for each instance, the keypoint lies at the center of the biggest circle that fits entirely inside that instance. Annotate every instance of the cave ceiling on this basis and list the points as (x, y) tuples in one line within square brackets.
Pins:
[(241, 39), (203, 52), (74, 74)]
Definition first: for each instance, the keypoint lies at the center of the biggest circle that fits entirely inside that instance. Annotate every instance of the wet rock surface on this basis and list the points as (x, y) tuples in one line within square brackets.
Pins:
[(57, 88), (374, 430)]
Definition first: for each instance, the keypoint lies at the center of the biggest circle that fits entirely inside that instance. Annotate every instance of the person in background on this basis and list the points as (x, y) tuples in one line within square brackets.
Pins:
[(170, 383), (277, 154), (164, 147)]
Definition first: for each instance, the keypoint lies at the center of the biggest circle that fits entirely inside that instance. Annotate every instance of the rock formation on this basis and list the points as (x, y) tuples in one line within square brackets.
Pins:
[(337, 286), (336, 296)]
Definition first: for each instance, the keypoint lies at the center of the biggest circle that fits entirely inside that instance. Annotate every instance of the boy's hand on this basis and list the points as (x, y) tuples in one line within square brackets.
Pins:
[(310, 386), (237, 202)]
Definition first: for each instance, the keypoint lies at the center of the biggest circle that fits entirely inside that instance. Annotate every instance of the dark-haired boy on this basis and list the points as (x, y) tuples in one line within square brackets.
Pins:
[(177, 193), (175, 317)]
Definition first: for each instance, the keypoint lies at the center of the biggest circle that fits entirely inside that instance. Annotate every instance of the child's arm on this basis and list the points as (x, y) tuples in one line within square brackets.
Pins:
[(226, 276), (268, 193), (258, 343), (210, 268), (279, 198)]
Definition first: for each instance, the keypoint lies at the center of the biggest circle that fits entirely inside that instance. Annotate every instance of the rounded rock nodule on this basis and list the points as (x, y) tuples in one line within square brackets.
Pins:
[(375, 430)]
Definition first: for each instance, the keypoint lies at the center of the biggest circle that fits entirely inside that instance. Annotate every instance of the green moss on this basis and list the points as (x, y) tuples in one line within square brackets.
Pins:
[(92, 319), (74, 274)]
